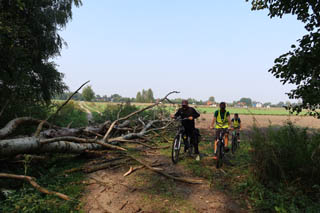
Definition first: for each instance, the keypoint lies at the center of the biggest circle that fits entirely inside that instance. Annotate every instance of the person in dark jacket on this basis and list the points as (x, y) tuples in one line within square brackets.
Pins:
[(189, 112)]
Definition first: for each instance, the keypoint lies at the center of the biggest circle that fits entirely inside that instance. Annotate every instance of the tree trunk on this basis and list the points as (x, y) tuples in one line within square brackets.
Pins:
[(31, 145)]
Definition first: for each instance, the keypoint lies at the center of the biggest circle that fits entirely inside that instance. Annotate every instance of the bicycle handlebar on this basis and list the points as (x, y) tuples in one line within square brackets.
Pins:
[(181, 119)]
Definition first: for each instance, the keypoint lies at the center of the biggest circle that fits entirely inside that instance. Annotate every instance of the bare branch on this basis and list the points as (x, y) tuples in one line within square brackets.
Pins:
[(34, 184), (36, 134), (106, 136)]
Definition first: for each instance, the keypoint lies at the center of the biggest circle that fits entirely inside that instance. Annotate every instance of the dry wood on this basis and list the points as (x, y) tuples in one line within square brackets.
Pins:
[(31, 180), (32, 145), (13, 125), (185, 180), (94, 133), (131, 170), (123, 205), (106, 136), (69, 124), (104, 166), (141, 143), (162, 136), (81, 140)]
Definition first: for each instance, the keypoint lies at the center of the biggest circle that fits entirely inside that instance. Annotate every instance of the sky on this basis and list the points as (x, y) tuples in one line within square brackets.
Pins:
[(201, 48)]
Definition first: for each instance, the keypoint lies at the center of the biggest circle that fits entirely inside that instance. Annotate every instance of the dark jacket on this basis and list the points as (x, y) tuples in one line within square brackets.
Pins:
[(185, 113)]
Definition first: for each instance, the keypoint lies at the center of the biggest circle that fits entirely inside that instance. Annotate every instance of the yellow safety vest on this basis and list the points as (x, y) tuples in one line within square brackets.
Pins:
[(222, 123), (236, 123)]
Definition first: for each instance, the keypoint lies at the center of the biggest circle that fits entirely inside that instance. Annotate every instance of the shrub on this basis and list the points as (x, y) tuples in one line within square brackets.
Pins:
[(69, 113)]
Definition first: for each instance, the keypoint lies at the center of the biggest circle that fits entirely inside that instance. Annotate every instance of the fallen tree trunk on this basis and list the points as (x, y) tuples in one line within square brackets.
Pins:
[(32, 145), (15, 123)]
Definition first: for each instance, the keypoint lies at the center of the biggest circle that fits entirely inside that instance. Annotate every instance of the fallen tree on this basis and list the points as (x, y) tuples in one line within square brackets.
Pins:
[(109, 136)]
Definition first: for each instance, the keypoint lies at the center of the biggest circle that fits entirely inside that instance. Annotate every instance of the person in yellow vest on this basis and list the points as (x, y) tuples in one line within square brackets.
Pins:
[(221, 120), (236, 124)]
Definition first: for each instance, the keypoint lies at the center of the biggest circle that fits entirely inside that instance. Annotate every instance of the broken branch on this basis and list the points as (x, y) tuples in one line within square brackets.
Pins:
[(34, 184)]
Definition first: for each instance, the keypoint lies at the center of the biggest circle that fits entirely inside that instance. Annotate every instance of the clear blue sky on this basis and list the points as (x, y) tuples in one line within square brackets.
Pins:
[(200, 48)]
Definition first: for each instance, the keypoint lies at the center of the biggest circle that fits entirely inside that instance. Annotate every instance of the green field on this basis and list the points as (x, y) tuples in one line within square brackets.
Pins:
[(248, 111), (100, 106)]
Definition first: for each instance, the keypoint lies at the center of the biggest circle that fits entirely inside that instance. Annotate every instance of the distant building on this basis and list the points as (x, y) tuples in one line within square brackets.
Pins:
[(241, 104), (258, 105), (210, 103)]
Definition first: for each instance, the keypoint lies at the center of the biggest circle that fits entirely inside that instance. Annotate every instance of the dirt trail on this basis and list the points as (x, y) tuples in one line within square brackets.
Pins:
[(85, 108), (146, 191)]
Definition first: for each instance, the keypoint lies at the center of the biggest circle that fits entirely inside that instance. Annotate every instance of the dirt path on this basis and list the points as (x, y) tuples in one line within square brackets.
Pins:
[(84, 107), (146, 191)]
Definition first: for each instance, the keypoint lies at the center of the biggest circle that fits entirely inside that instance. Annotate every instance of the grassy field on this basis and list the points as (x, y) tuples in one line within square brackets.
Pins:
[(100, 106)]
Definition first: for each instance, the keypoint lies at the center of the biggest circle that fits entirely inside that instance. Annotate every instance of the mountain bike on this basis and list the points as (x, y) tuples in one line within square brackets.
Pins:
[(220, 148), (181, 138), (234, 144)]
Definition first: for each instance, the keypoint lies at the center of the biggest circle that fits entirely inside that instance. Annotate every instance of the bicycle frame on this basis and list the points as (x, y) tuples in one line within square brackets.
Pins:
[(180, 136), (220, 147)]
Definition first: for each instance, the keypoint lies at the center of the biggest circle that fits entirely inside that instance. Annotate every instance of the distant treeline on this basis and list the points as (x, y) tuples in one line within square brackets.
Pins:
[(146, 96)]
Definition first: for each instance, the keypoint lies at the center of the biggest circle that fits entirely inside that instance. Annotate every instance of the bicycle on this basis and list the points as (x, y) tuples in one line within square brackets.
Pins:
[(178, 139), (234, 144), (220, 148)]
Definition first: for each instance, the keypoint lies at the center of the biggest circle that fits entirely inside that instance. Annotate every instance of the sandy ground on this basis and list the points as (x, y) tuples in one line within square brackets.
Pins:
[(135, 193), (264, 121)]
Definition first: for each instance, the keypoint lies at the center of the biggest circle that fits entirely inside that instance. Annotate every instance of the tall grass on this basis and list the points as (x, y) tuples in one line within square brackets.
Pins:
[(286, 164)]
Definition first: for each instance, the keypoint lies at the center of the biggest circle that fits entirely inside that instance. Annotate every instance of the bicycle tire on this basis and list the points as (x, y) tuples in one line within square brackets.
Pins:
[(219, 156), (234, 144), (190, 147), (176, 145)]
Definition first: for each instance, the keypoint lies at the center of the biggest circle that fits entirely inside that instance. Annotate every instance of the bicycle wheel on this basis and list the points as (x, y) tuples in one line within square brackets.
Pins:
[(219, 155), (234, 144), (176, 149), (190, 147)]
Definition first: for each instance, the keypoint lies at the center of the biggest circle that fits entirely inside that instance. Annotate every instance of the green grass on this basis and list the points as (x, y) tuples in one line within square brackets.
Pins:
[(49, 173), (240, 179), (101, 106)]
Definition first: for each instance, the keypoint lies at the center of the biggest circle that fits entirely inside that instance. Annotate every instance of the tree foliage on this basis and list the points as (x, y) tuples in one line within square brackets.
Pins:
[(88, 93), (301, 65), (29, 39), (247, 101), (212, 99), (146, 96)]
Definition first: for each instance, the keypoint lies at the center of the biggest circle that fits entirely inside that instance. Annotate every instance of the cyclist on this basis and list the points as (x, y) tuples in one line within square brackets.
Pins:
[(189, 112), (236, 125), (221, 120)]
